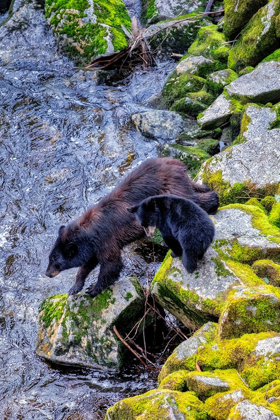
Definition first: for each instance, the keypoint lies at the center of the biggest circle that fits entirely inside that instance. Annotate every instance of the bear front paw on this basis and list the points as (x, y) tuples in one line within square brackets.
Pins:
[(75, 289)]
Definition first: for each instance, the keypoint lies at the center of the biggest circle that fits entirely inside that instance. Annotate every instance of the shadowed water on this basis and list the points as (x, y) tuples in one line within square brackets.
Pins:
[(65, 141)]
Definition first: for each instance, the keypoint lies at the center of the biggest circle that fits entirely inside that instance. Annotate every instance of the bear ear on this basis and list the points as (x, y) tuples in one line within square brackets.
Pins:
[(70, 250), (61, 229), (132, 209)]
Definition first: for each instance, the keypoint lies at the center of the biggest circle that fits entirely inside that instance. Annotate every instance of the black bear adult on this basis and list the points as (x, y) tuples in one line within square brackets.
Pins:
[(185, 227), (98, 236)]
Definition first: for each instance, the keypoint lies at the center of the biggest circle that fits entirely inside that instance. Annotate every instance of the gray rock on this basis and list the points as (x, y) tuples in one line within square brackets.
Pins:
[(217, 114), (193, 64), (268, 347), (186, 351), (244, 313), (250, 411), (173, 36), (173, 8), (236, 225), (157, 124), (257, 159), (261, 85), (205, 385), (78, 330), (194, 297)]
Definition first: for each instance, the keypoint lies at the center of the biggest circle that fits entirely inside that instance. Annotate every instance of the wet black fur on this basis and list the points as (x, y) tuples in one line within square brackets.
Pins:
[(98, 236), (185, 227)]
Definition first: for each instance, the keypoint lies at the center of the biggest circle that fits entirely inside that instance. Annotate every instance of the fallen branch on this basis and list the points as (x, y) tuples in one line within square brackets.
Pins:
[(132, 350)]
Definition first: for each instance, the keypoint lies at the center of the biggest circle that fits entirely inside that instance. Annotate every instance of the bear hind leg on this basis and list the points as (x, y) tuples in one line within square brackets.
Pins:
[(189, 261)]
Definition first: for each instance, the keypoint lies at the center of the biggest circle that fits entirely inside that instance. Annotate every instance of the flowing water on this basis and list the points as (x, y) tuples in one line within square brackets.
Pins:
[(65, 141)]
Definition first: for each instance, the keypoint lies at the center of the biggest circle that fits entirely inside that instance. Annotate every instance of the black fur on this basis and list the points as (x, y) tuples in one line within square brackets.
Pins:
[(98, 236), (185, 227)]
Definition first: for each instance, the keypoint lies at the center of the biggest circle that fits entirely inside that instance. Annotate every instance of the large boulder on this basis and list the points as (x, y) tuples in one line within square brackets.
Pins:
[(238, 13), (257, 39), (78, 330), (87, 29), (236, 172), (261, 85), (243, 235)]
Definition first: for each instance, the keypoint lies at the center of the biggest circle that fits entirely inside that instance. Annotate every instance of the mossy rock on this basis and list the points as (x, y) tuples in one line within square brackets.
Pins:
[(159, 404), (188, 106), (255, 202), (267, 202), (184, 356), (267, 270), (176, 381), (257, 39), (210, 146), (247, 410), (274, 216), (78, 330), (238, 13), (178, 86), (192, 156), (156, 10), (246, 70), (244, 235), (173, 36), (87, 30), (275, 56), (216, 81), (233, 173), (250, 310), (210, 43)]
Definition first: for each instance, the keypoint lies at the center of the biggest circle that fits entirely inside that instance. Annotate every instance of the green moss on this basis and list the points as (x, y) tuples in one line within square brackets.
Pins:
[(251, 310), (274, 217), (255, 202), (177, 86), (259, 221), (85, 40), (246, 70), (155, 405), (237, 193), (257, 39), (210, 146), (210, 43), (267, 270), (220, 268), (238, 14), (128, 296), (192, 156), (175, 381), (259, 371), (51, 309), (188, 106), (216, 81), (267, 202), (165, 265), (275, 56)]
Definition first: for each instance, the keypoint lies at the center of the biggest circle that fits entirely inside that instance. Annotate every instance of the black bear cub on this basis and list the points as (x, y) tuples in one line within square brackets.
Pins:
[(185, 227)]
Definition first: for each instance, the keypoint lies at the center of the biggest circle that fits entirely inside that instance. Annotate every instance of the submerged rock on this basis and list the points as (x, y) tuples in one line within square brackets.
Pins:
[(78, 330)]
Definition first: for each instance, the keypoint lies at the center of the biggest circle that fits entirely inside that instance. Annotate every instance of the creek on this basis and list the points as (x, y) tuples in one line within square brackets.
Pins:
[(65, 141)]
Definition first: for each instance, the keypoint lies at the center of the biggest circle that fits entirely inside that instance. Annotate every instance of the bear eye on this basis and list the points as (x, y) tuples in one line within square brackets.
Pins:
[(70, 250)]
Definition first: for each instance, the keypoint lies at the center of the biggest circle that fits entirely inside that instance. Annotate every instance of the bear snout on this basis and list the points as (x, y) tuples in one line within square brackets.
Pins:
[(149, 230), (52, 272)]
